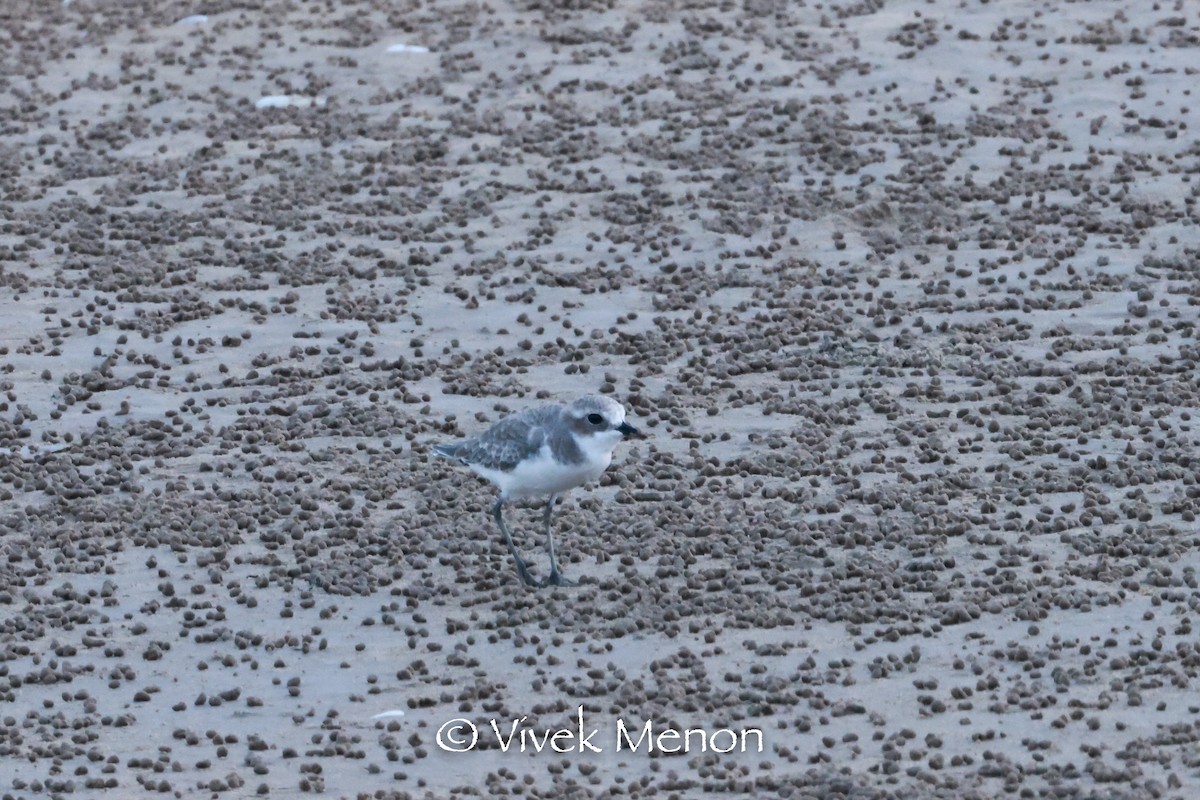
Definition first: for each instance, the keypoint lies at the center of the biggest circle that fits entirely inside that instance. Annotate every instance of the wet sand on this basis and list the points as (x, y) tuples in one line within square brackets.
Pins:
[(905, 294)]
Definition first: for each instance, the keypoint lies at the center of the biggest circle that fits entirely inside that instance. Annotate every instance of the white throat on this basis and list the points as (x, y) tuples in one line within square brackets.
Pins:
[(598, 448)]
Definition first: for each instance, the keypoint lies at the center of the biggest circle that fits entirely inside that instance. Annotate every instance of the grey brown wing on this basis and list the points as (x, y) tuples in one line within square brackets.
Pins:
[(504, 445)]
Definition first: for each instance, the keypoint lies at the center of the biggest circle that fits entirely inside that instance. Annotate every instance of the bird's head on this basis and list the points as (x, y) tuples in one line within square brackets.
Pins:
[(600, 417)]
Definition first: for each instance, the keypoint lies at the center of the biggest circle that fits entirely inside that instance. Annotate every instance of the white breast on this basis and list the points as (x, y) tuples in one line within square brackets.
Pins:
[(541, 475)]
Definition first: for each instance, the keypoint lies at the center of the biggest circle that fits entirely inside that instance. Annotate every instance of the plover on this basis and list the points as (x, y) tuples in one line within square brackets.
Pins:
[(544, 452)]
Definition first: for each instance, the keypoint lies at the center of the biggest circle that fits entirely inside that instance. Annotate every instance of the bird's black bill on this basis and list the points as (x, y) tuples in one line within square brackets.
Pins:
[(630, 432)]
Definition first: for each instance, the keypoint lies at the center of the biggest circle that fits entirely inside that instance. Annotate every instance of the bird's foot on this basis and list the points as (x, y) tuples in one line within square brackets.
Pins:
[(555, 578), (523, 571)]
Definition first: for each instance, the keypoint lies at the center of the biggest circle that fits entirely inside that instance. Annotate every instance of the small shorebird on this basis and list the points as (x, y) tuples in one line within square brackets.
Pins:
[(544, 452)]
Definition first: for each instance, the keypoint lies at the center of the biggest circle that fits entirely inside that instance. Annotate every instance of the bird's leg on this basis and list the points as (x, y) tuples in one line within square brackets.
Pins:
[(555, 578), (522, 569)]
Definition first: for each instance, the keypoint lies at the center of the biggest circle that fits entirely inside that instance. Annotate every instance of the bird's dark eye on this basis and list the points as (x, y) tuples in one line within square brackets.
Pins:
[(595, 419)]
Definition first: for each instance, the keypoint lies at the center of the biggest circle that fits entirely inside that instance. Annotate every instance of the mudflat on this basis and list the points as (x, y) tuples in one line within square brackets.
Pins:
[(905, 295)]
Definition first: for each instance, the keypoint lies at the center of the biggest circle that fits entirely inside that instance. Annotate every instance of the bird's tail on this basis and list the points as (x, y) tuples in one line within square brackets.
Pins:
[(446, 450)]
